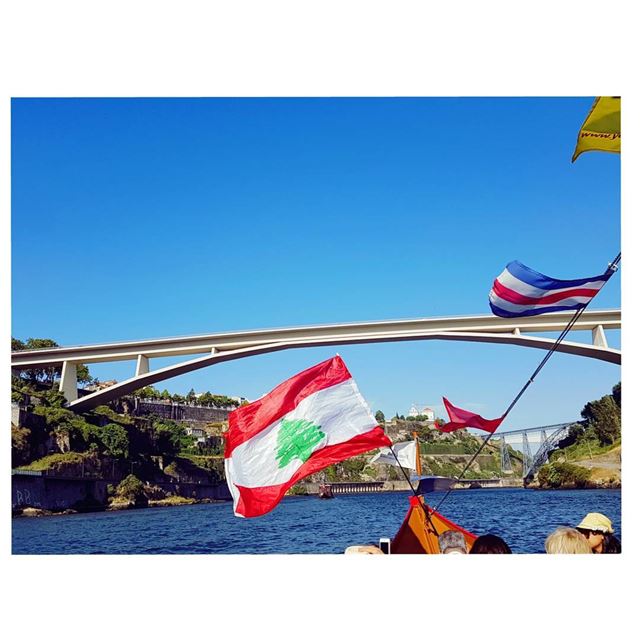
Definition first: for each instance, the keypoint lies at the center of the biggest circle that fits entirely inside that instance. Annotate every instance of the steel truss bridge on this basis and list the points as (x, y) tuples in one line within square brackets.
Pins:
[(549, 437), (221, 347)]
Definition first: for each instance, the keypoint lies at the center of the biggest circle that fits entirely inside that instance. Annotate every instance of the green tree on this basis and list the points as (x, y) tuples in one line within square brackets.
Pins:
[(49, 374), (380, 419), (20, 445), (205, 399), (603, 416), (43, 375), (169, 437), (616, 392), (191, 396), (83, 376), (148, 393), (115, 440)]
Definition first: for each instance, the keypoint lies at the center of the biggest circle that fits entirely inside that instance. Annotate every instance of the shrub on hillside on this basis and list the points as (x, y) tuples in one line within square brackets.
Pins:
[(20, 445), (562, 474), (115, 440), (132, 489)]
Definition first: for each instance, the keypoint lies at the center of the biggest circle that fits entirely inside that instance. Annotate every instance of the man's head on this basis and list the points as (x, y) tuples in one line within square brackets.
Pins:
[(452, 542)]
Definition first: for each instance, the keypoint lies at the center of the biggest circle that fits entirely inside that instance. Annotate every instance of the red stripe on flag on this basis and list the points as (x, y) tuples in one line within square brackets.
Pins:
[(246, 422), (256, 501), (517, 298)]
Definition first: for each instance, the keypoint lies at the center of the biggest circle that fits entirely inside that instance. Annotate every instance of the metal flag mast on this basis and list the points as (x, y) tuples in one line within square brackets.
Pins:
[(613, 267)]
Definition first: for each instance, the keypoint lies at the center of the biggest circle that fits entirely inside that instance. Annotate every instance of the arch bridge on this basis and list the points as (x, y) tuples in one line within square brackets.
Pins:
[(221, 347), (548, 437)]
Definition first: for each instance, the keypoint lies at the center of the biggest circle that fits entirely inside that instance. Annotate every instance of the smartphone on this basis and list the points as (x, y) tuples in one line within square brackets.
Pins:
[(385, 545)]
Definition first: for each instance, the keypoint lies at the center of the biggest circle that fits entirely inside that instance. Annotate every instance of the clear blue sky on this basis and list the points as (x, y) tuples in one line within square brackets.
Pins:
[(148, 218)]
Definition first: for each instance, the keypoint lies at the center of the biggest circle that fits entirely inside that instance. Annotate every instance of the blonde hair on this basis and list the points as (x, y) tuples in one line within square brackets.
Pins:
[(566, 540)]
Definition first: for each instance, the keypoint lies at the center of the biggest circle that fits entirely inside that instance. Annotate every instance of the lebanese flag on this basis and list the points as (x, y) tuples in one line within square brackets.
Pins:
[(459, 419), (313, 420)]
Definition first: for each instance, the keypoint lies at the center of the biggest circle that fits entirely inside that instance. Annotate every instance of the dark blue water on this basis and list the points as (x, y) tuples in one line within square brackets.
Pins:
[(523, 518)]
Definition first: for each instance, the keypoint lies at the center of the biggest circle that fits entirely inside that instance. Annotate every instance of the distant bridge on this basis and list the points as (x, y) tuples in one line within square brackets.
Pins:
[(222, 347), (549, 437)]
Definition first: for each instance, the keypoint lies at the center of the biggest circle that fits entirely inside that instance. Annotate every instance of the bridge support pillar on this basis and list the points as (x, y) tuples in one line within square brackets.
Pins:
[(69, 381), (527, 458), (142, 365), (505, 460), (598, 338)]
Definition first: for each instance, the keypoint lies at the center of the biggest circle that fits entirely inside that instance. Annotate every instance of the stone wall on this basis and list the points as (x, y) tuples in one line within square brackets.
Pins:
[(196, 490), (181, 412), (57, 494)]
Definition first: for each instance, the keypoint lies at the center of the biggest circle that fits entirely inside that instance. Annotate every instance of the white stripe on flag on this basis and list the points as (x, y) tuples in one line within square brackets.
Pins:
[(511, 282)]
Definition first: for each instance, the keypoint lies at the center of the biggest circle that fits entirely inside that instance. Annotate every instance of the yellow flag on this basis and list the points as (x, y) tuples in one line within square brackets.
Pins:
[(601, 129)]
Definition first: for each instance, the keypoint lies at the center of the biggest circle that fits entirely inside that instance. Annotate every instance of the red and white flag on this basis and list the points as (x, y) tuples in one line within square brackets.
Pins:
[(313, 420), (460, 419)]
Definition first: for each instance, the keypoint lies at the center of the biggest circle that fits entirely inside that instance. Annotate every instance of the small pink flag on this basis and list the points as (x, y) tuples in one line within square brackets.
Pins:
[(460, 419)]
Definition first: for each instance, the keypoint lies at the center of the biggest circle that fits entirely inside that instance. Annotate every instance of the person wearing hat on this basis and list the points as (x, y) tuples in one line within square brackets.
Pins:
[(598, 531)]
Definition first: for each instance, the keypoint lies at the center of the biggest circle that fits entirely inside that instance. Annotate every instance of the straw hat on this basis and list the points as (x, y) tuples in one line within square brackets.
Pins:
[(596, 522)]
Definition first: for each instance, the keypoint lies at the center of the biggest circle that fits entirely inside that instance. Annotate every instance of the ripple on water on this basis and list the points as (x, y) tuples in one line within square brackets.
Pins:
[(307, 525)]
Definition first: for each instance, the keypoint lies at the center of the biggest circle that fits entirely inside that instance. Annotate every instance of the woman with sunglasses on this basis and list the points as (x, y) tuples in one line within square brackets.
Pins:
[(597, 529)]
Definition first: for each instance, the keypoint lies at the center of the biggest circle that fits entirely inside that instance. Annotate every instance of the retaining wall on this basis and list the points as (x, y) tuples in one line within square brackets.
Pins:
[(56, 494), (181, 412)]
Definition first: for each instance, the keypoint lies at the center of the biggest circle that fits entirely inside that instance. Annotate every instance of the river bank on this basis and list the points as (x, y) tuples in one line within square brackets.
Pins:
[(178, 501), (33, 512)]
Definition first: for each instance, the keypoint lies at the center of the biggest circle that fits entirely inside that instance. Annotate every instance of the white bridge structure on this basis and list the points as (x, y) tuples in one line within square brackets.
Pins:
[(220, 347)]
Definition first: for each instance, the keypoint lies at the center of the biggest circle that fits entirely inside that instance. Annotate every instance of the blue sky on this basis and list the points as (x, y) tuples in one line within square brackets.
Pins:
[(148, 218)]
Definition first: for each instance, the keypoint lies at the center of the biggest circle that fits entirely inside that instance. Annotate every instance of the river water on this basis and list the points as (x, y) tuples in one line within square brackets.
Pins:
[(304, 524)]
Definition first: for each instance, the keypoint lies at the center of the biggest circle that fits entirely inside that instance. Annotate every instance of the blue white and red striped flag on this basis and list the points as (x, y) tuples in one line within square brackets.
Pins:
[(520, 291)]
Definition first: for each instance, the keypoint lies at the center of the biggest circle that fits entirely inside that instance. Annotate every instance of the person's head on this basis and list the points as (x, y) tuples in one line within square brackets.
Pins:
[(490, 544), (596, 528), (364, 548), (452, 542), (566, 540)]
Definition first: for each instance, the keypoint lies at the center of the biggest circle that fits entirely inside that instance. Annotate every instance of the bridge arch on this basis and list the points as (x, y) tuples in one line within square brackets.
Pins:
[(232, 346)]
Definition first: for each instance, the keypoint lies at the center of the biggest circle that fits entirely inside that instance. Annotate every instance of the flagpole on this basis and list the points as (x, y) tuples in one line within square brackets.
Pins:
[(415, 493), (613, 266)]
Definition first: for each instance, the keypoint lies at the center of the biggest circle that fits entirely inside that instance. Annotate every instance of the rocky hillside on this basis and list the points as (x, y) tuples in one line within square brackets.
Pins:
[(444, 454)]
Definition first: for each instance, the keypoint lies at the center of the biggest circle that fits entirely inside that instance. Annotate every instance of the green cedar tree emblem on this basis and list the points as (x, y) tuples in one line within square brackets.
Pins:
[(296, 439)]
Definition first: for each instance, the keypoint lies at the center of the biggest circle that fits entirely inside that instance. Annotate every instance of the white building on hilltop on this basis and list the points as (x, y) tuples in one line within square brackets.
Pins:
[(425, 411)]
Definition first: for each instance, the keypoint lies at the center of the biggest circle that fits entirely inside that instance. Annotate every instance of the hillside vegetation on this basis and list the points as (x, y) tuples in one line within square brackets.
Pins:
[(590, 456)]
